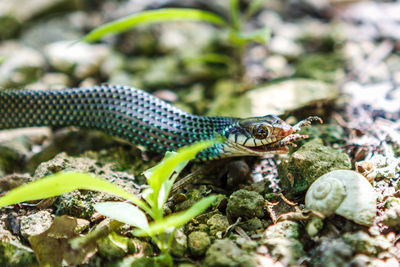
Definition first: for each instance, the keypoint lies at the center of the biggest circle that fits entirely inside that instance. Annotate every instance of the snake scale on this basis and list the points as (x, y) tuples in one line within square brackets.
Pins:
[(143, 119)]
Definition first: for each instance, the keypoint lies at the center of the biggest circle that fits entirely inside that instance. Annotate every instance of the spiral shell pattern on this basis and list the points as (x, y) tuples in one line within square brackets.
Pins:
[(343, 192), (325, 195)]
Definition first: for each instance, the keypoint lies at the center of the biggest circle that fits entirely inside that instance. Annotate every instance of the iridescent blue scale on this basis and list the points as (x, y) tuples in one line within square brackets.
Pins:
[(121, 111)]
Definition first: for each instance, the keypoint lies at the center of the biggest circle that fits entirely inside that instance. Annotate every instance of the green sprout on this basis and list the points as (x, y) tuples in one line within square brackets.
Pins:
[(160, 179), (236, 36)]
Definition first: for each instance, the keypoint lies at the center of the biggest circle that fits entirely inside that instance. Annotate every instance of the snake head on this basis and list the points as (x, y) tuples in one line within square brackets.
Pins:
[(258, 136)]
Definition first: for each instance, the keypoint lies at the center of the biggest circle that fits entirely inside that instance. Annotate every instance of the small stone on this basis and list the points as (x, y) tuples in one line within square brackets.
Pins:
[(252, 224), (308, 163), (284, 46), (198, 242), (333, 252), (267, 98), (80, 203), (36, 223), (179, 244), (217, 223), (282, 240), (245, 204), (362, 242), (225, 253), (113, 246), (13, 252), (391, 214), (55, 80), (81, 59), (22, 65)]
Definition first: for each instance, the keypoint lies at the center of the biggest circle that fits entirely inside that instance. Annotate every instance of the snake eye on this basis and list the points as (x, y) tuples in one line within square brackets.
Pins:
[(260, 131)]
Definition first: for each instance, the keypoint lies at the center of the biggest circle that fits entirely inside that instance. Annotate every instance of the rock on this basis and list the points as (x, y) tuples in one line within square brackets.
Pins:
[(391, 213), (276, 98), (50, 29), (252, 224), (282, 242), (332, 252), (112, 64), (36, 223), (80, 59), (179, 244), (22, 65), (225, 253), (245, 204), (14, 180), (158, 72), (13, 252), (285, 46), (33, 9), (13, 17), (308, 163), (10, 25), (198, 243), (80, 203), (217, 223), (179, 37), (113, 246), (277, 66), (55, 80), (364, 243)]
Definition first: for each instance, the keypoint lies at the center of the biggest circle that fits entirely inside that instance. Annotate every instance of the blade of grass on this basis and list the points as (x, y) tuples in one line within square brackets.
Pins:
[(176, 220), (234, 12), (61, 183), (152, 17)]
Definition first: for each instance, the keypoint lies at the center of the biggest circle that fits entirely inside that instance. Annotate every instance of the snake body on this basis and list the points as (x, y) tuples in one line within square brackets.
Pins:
[(139, 118)]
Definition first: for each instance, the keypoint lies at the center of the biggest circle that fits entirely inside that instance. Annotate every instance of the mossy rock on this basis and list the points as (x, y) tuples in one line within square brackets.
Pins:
[(308, 163)]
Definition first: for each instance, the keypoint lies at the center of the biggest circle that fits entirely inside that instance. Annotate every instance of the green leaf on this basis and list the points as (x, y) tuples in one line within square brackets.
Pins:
[(234, 13), (65, 182), (210, 58), (261, 36), (152, 17), (176, 220), (254, 6), (123, 212), (2, 59), (165, 170)]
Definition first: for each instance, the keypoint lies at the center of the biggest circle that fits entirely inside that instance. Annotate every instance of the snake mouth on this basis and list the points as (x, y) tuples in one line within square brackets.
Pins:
[(278, 147), (271, 148)]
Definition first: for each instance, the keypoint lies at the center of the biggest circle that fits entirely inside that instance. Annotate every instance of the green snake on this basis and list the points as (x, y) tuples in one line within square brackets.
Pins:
[(146, 120)]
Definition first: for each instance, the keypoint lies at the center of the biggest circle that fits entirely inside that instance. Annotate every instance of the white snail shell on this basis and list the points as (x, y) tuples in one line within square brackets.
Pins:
[(343, 192)]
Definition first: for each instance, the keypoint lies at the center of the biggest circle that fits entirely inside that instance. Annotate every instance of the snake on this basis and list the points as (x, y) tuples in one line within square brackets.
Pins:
[(143, 119)]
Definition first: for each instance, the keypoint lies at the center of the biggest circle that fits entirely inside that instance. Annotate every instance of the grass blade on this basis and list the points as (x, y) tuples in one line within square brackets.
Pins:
[(178, 219), (152, 17), (234, 13), (65, 182), (123, 212)]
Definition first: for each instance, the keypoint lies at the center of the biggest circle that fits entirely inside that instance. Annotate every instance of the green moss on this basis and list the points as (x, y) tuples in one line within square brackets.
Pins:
[(308, 163)]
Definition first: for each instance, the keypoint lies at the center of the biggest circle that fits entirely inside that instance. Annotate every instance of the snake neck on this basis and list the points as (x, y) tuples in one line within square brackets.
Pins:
[(121, 111)]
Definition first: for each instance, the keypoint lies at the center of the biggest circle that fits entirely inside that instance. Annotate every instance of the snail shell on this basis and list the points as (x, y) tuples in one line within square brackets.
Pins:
[(343, 192)]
